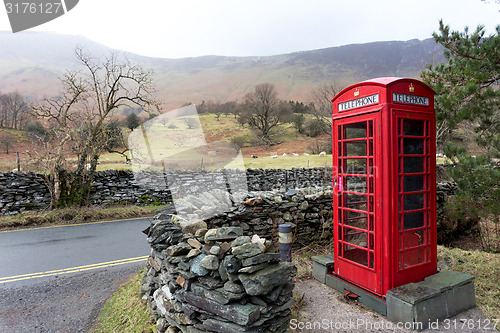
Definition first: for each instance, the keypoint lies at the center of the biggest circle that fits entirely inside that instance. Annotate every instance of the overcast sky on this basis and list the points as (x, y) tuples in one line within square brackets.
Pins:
[(190, 28)]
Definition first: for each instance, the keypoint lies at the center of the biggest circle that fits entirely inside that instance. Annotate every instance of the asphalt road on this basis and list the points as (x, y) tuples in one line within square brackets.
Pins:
[(56, 279)]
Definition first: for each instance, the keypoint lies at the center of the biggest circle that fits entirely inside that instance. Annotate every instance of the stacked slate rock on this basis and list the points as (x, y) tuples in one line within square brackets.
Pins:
[(308, 210), (215, 280), (21, 192)]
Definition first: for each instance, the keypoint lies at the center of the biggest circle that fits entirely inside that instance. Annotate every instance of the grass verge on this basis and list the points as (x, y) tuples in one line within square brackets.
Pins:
[(125, 311), (485, 267), (73, 215)]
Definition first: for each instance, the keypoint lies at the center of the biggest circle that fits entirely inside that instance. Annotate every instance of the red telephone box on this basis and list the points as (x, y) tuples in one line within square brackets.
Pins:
[(384, 167)]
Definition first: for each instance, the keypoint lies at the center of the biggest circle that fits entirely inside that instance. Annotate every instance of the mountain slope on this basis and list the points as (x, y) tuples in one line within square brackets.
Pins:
[(31, 63)]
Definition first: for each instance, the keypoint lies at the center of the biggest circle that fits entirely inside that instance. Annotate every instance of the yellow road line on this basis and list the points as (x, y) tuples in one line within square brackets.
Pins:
[(77, 224), (72, 269)]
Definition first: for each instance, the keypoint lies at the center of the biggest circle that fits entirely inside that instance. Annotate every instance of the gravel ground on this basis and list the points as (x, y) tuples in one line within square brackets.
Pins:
[(63, 304), (332, 313)]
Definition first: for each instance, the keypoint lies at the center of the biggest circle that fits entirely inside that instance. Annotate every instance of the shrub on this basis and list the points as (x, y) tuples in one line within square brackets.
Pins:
[(36, 130), (318, 146), (477, 199), (314, 128)]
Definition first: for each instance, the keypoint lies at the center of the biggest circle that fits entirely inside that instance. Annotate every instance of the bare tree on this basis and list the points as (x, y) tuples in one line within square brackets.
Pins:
[(79, 116), (261, 110), (321, 104), (13, 109)]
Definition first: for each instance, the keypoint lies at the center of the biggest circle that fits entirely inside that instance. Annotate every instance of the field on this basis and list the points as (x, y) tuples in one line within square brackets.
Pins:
[(174, 141)]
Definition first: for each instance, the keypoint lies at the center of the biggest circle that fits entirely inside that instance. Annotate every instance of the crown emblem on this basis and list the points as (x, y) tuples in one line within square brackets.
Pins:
[(411, 88), (356, 92)]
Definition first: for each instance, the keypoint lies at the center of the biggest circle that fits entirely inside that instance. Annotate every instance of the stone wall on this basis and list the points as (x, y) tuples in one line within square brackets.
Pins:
[(28, 191), (216, 280), (20, 192), (308, 210)]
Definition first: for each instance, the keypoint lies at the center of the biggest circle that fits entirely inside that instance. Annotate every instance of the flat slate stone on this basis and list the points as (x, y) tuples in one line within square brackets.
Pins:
[(324, 260), (263, 281), (448, 279), (248, 250), (179, 249), (214, 325), (196, 268), (223, 233), (260, 258), (236, 313), (254, 268), (413, 293)]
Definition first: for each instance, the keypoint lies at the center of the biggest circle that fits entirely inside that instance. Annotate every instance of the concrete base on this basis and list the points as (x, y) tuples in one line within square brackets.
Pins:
[(321, 266), (439, 296)]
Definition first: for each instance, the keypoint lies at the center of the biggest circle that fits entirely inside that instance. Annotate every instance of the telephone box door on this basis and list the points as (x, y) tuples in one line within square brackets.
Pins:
[(357, 226)]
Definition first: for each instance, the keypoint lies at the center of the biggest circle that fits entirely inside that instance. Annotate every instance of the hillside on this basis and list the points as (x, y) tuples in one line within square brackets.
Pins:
[(31, 62)]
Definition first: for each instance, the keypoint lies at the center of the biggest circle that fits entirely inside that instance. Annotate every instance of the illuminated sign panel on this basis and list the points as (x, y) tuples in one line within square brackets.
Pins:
[(356, 103), (410, 99)]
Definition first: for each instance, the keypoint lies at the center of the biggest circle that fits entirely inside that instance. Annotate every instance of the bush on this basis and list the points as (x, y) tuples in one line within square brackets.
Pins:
[(477, 199), (239, 140), (36, 130), (318, 146), (298, 122), (314, 128)]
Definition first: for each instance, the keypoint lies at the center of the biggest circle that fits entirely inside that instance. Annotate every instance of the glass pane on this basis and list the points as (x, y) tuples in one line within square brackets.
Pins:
[(413, 164), (413, 201), (356, 148), (414, 257), (355, 201), (370, 128), (413, 220), (356, 237), (413, 183), (356, 130), (371, 260), (370, 150), (413, 239), (355, 166), (358, 220), (339, 133), (413, 146), (355, 184), (356, 255), (413, 127)]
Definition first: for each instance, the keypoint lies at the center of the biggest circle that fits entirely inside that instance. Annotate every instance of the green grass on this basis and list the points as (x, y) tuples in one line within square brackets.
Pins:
[(125, 311), (289, 162), (73, 215), (20, 134), (485, 267)]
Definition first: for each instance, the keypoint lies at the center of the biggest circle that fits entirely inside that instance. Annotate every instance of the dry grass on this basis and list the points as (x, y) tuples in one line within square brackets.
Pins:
[(73, 215), (125, 311), (485, 267)]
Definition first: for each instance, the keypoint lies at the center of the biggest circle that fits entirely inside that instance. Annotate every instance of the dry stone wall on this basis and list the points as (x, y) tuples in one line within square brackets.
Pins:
[(215, 280), (28, 191), (308, 210)]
